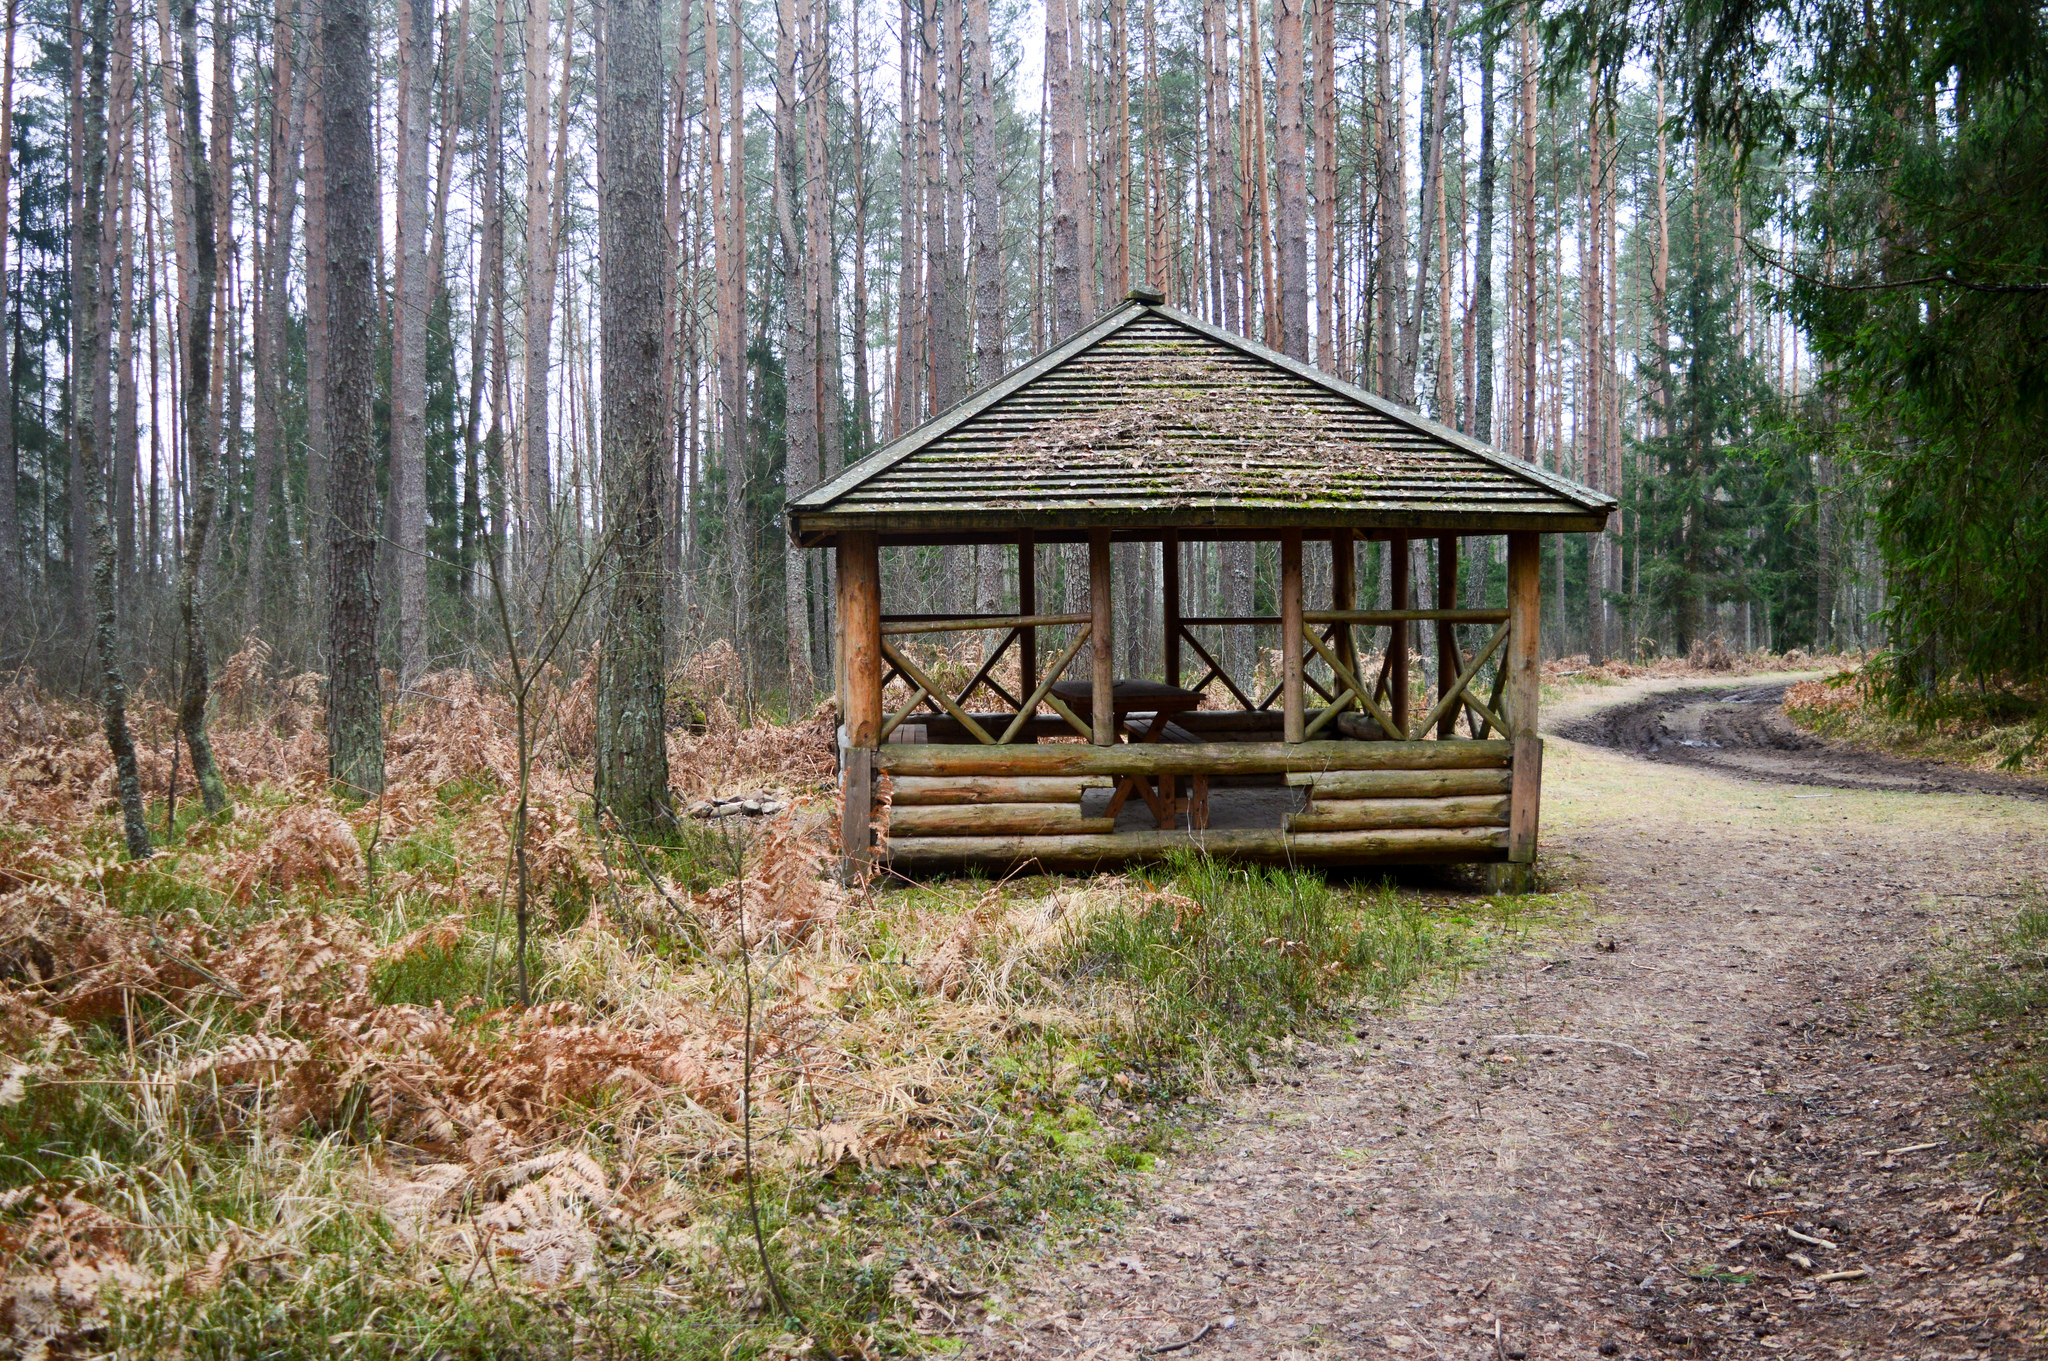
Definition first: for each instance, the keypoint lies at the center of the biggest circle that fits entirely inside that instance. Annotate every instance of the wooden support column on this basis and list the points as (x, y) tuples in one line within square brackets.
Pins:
[(1397, 633), (1525, 615), (1169, 589), (1027, 605), (860, 669), (1292, 720), (1101, 637), (1448, 660), (1344, 594)]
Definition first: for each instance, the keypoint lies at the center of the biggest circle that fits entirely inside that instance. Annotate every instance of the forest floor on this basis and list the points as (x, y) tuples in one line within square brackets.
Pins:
[(1713, 1114)]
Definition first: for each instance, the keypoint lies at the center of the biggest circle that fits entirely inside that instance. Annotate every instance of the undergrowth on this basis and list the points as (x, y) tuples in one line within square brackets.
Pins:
[(269, 1093), (1987, 727), (1997, 996)]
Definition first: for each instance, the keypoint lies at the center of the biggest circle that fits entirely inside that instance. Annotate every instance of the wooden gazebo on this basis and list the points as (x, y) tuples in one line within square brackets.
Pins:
[(1152, 426)]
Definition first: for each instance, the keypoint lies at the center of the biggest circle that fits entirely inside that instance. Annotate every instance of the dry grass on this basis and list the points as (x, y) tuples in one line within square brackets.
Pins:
[(271, 1084)]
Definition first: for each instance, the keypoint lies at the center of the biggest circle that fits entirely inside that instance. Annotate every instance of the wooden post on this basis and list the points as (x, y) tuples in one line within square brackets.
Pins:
[(1447, 658), (1027, 604), (1169, 587), (1101, 637), (1397, 632), (860, 666), (1525, 613), (1344, 594), (1292, 721)]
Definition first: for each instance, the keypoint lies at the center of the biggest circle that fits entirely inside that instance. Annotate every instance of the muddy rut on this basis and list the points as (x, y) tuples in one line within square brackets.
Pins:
[(1727, 1137), (1742, 730)]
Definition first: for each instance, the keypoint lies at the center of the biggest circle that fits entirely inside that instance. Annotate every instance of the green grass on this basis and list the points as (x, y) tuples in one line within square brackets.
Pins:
[(1219, 959), (1997, 994)]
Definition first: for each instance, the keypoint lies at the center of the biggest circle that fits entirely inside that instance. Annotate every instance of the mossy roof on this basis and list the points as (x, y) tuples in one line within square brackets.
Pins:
[(1152, 420)]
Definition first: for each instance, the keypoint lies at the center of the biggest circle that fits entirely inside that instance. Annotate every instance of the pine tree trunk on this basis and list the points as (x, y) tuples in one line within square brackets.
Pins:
[(1392, 203), (537, 321), (1482, 281), (199, 445), (90, 333), (1224, 194), (1326, 184), (632, 754), (11, 595), (988, 221), (355, 728), (1066, 177), (1527, 397), (1293, 198), (1592, 422), (318, 451), (799, 338), (288, 102)]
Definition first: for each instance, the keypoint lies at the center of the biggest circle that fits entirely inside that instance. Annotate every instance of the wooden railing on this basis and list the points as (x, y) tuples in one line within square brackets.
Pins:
[(929, 692), (1337, 646)]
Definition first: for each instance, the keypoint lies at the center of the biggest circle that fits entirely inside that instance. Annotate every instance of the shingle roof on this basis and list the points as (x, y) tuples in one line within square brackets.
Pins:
[(1151, 419)]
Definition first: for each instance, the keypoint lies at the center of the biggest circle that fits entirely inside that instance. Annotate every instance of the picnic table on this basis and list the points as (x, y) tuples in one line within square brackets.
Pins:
[(1162, 793)]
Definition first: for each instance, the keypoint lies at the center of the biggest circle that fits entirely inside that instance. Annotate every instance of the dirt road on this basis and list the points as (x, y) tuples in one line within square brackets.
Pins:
[(1739, 1148)]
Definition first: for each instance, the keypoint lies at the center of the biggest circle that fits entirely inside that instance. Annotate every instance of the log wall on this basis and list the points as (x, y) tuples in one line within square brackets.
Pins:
[(1368, 803)]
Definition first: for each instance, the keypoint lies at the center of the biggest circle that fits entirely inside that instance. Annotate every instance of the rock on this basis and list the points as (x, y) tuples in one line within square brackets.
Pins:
[(702, 808), (773, 806), (725, 810), (751, 806)]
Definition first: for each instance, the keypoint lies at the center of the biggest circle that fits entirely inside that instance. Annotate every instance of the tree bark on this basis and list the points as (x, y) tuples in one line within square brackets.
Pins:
[(1066, 177), (287, 96), (1326, 184), (537, 314), (1482, 282), (10, 510), (1593, 299), (1293, 204), (355, 728), (988, 220), (632, 754), (1224, 194), (90, 328), (799, 337), (200, 450)]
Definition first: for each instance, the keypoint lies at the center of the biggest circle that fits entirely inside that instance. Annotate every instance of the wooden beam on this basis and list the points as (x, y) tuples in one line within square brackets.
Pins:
[(1392, 616), (993, 819), (1169, 588), (1290, 635), (1448, 658), (860, 716), (1401, 846), (1101, 639), (1525, 604), (1392, 784), (913, 791), (1525, 614), (1527, 798), (1027, 605), (1359, 815), (1397, 631), (1188, 758), (1343, 596), (898, 625), (860, 638)]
